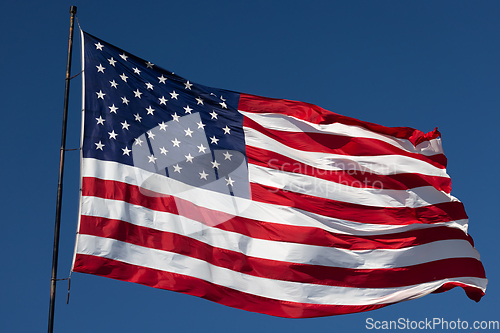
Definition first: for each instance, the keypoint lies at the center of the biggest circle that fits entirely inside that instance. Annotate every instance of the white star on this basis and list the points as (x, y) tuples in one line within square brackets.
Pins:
[(229, 181), (177, 168), (99, 145), (152, 159), (112, 135), (201, 148), (175, 142), (213, 114), (112, 109), (137, 71), (227, 156), (163, 126), (189, 158), (150, 110), (187, 109), (137, 93), (151, 135), (215, 164), (176, 117), (99, 46), (227, 130), (138, 142), (100, 68), (149, 86), (163, 100), (125, 100), (174, 94), (223, 104), (125, 125), (137, 117), (199, 101), (163, 151), (100, 121), (214, 140), (162, 79), (126, 151), (203, 175), (112, 61), (100, 94), (188, 85), (124, 77), (149, 65), (114, 84), (201, 125), (189, 132), (124, 56)]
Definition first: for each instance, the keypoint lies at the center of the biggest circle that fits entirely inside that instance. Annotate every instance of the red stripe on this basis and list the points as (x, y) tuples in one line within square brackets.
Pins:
[(114, 190), (339, 144), (442, 212), (197, 287), (317, 115), (473, 293), (354, 178), (223, 295), (279, 270)]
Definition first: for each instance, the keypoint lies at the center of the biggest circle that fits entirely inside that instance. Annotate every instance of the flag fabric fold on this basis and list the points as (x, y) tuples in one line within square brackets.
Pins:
[(267, 205)]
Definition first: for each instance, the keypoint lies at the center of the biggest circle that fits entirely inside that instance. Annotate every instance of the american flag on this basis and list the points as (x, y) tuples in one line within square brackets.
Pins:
[(267, 205)]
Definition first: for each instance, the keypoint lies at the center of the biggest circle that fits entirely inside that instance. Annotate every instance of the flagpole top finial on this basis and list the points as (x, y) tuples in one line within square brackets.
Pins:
[(72, 10)]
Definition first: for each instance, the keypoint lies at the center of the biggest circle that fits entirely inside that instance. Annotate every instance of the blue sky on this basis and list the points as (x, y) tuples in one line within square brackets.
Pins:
[(421, 64)]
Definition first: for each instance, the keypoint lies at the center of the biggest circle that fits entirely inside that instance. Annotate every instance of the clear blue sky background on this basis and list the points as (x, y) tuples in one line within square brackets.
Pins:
[(420, 64)]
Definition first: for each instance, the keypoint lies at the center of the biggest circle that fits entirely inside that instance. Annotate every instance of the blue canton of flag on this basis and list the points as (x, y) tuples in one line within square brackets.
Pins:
[(139, 114)]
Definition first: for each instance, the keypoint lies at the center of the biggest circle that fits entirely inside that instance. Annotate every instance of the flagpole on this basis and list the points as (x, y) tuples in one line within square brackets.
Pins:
[(55, 252)]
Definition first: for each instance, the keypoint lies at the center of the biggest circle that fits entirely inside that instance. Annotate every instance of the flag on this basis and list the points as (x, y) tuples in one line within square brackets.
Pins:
[(267, 205)]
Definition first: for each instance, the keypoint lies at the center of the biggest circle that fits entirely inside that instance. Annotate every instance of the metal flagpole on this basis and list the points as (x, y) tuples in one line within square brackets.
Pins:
[(55, 253)]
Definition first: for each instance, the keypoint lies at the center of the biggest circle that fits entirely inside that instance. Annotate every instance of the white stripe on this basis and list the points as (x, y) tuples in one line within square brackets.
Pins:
[(299, 183), (296, 217), (82, 40), (254, 210), (281, 122), (383, 164), (275, 250), (274, 289)]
